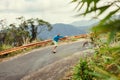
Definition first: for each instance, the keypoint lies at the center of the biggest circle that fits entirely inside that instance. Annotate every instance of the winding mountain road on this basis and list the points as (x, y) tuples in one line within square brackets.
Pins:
[(17, 68)]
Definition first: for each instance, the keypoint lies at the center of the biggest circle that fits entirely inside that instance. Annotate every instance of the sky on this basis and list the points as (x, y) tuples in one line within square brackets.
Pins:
[(53, 11)]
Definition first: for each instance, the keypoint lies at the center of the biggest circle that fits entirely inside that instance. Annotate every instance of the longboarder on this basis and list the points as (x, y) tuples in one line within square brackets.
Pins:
[(55, 41)]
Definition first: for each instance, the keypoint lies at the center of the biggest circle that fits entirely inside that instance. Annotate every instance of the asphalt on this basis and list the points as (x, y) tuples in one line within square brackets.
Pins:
[(17, 68)]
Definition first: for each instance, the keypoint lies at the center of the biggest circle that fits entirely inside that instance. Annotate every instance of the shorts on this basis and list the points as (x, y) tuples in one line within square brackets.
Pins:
[(55, 43)]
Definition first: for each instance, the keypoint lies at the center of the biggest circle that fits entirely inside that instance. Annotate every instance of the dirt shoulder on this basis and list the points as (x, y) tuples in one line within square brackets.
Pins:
[(56, 70)]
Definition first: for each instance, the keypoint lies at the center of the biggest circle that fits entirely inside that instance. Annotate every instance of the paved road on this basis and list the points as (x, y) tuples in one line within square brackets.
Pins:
[(17, 68)]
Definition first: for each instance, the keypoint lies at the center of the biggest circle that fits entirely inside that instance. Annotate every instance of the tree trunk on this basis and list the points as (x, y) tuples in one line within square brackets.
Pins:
[(34, 33)]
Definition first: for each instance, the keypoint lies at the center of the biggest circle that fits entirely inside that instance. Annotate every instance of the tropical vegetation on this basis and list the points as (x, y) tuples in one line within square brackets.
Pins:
[(22, 32), (105, 64)]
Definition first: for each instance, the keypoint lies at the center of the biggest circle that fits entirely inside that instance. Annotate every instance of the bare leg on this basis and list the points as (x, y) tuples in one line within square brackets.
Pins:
[(54, 49), (55, 46)]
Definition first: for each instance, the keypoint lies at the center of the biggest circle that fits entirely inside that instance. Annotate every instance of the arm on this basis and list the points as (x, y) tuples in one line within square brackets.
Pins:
[(61, 36)]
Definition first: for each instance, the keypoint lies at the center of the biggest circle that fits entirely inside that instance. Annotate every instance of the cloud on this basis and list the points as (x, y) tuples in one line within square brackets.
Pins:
[(32, 5), (52, 11), (19, 6)]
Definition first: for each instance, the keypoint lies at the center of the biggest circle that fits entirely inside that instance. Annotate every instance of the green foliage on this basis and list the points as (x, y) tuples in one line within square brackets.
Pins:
[(17, 34), (105, 64), (34, 24), (3, 47), (81, 71), (109, 26), (93, 6)]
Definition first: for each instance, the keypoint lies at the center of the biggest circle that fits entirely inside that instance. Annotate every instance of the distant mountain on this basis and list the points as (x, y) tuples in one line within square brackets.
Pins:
[(63, 29), (85, 25), (75, 28)]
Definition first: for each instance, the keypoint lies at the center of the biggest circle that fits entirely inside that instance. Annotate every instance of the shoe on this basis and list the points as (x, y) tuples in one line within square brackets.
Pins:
[(54, 51)]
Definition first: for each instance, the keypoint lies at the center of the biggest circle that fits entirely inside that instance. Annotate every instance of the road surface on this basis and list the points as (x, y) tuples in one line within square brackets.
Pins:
[(17, 68)]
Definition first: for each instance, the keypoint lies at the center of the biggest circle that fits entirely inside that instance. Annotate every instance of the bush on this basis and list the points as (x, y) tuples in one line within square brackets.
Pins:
[(4, 47), (81, 71)]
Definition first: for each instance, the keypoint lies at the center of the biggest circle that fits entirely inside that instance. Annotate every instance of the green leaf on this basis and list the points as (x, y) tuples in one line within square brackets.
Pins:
[(109, 26), (111, 36), (115, 49), (93, 9), (97, 75), (81, 6), (99, 70), (74, 0), (103, 9), (109, 15)]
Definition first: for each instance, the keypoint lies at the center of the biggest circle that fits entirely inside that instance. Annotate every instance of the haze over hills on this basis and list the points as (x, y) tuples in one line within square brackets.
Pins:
[(85, 23), (75, 28), (63, 29)]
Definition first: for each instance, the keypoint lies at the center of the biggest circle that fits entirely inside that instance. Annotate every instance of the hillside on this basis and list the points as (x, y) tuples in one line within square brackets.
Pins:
[(74, 28), (63, 29), (85, 23)]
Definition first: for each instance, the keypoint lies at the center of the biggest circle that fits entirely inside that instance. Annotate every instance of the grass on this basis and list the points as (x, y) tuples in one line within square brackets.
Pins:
[(4, 47)]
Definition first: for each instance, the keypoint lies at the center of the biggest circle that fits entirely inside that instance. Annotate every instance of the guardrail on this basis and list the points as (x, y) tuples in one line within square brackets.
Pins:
[(25, 46), (36, 44)]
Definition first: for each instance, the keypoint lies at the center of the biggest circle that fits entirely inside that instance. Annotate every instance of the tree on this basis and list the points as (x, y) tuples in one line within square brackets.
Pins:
[(33, 25), (2, 31), (17, 35)]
